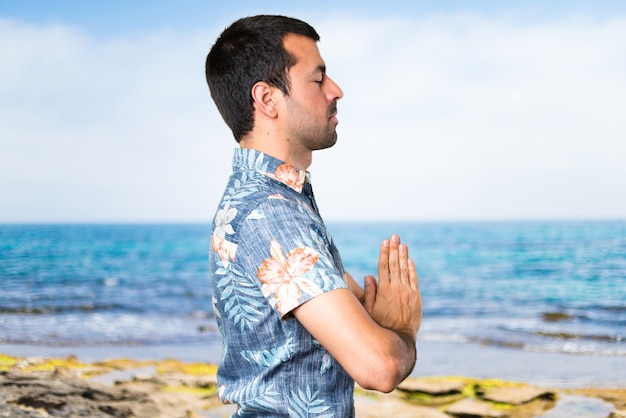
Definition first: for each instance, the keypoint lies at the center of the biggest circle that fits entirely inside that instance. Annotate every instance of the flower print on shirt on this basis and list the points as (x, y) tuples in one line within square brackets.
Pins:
[(290, 175), (225, 248), (283, 277), (277, 196), (255, 373)]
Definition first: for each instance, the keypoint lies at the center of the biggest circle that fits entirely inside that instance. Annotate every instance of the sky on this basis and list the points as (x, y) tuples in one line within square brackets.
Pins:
[(452, 110)]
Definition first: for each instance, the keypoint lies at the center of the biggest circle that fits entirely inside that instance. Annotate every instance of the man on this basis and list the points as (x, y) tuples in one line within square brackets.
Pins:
[(297, 330)]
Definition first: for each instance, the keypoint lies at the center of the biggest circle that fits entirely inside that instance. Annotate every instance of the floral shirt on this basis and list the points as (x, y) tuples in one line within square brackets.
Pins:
[(271, 253)]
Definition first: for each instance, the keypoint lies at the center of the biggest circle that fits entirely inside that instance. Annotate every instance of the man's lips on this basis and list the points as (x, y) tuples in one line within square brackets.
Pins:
[(332, 112)]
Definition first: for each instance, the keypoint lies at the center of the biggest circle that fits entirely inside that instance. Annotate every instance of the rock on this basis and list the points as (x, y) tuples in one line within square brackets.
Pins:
[(29, 361), (517, 395), (557, 316), (172, 389), (143, 377), (434, 387), (470, 408), (25, 394), (62, 372), (8, 411), (368, 406), (179, 379)]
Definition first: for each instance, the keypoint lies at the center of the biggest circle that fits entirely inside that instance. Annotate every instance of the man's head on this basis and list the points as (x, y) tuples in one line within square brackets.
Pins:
[(249, 51)]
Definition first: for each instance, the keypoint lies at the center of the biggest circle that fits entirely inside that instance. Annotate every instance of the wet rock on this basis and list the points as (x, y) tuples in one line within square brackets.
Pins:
[(8, 411), (470, 408), (434, 387), (517, 395), (376, 406), (557, 316), (179, 379), (40, 394), (172, 389)]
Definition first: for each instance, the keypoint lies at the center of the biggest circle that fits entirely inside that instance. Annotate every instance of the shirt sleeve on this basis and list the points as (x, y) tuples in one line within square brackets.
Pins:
[(288, 250)]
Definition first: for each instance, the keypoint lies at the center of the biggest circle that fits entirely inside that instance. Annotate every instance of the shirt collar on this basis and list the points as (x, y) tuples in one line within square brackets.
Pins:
[(253, 160)]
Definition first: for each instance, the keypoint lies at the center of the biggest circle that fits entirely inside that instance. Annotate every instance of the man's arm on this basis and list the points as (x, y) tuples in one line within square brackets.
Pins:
[(354, 287), (373, 340)]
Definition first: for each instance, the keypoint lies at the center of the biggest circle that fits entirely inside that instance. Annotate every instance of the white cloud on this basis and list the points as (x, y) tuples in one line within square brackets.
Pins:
[(443, 117), (113, 129), (466, 117)]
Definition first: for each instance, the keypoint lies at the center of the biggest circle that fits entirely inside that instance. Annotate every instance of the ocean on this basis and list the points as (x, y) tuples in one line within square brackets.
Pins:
[(523, 287)]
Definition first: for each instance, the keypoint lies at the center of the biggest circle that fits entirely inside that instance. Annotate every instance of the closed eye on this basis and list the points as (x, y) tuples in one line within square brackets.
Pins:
[(320, 74)]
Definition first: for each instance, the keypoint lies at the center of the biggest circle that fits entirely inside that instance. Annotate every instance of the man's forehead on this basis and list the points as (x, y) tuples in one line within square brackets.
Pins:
[(304, 49)]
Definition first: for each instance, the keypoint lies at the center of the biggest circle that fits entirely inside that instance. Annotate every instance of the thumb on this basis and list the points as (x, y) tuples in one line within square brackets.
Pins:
[(369, 297)]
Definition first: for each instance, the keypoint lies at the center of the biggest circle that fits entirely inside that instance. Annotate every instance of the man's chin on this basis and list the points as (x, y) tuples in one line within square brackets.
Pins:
[(330, 142)]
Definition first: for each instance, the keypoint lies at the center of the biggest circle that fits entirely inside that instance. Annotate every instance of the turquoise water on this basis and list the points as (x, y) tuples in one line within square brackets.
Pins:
[(533, 286), (539, 286)]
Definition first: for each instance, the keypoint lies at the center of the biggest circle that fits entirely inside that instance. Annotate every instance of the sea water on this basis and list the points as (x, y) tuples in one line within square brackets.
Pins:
[(549, 287), (538, 286)]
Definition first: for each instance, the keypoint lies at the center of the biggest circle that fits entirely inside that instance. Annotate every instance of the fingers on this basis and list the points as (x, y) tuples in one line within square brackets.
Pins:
[(403, 254), (394, 257), (383, 264), (413, 278), (388, 260), (394, 264), (396, 301), (399, 271), (369, 297)]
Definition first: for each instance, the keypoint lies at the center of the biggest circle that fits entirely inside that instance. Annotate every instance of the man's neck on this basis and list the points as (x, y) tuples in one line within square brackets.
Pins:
[(276, 149)]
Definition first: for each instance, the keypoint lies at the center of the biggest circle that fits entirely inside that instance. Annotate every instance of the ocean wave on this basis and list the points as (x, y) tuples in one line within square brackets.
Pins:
[(560, 316), (612, 308), (525, 286), (579, 336), (444, 337), (528, 339), (100, 342), (104, 328), (597, 315), (548, 343), (575, 349), (201, 333), (60, 309), (563, 347)]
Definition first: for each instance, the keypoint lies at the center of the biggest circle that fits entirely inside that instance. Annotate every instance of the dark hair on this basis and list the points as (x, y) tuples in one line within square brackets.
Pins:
[(248, 51)]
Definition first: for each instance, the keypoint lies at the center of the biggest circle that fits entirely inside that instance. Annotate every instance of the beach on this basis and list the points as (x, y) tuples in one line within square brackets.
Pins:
[(179, 381), (556, 370)]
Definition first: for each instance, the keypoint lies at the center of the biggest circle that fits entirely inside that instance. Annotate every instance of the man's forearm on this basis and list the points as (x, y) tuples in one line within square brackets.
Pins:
[(407, 356)]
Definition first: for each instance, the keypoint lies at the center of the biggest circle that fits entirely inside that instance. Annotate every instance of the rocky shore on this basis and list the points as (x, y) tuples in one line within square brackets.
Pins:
[(65, 387)]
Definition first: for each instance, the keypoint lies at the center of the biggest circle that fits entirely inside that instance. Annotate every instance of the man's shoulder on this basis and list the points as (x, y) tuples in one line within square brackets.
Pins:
[(249, 189), (259, 199)]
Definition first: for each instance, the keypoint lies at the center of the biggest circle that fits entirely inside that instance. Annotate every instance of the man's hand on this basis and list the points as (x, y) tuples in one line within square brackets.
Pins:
[(373, 334), (396, 303)]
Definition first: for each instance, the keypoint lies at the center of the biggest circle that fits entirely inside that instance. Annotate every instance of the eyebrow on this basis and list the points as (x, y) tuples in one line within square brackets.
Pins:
[(319, 69)]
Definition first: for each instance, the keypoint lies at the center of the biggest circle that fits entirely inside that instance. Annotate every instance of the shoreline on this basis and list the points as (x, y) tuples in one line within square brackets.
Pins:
[(556, 370), (33, 387)]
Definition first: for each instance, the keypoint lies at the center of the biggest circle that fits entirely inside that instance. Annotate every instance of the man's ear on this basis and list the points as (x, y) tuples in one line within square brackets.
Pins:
[(264, 100)]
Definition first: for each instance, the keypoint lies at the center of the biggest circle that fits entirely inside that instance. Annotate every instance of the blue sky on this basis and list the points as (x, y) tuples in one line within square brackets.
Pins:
[(453, 110), (118, 17)]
